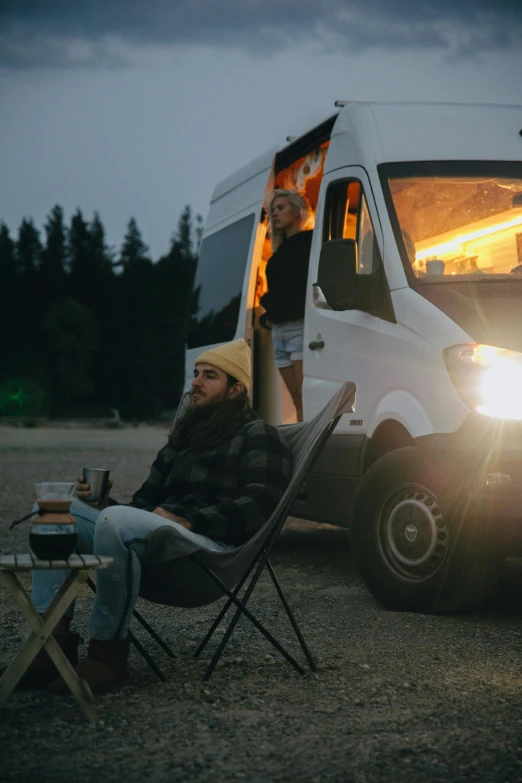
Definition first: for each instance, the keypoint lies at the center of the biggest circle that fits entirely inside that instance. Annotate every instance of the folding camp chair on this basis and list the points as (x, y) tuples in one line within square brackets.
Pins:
[(226, 572)]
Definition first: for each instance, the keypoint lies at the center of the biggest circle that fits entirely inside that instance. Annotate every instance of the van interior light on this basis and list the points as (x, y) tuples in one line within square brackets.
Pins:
[(454, 244), (488, 379)]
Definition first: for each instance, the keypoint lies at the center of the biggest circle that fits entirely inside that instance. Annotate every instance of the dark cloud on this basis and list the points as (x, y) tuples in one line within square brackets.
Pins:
[(49, 33)]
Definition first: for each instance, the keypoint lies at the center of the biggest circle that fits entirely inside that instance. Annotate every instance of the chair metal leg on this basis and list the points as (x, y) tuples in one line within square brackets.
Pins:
[(150, 660), (241, 609), (220, 616), (240, 605), (211, 630), (224, 610), (157, 638), (291, 617)]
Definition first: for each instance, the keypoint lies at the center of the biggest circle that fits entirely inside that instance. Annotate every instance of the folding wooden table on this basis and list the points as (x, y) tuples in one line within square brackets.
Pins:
[(42, 626)]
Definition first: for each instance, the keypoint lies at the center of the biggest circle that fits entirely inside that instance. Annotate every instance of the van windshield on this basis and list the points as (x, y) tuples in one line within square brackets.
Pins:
[(456, 221)]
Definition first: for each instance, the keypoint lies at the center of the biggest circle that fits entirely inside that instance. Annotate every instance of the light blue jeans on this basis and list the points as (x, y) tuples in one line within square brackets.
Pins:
[(119, 532)]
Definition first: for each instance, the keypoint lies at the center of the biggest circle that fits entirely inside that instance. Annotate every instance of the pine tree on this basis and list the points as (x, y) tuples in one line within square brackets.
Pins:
[(133, 248), (187, 237), (29, 250), (54, 258), (198, 232), (30, 305), (10, 291), (91, 284), (69, 339), (104, 304), (183, 238), (175, 277), (101, 255), (80, 279), (140, 344), (7, 260)]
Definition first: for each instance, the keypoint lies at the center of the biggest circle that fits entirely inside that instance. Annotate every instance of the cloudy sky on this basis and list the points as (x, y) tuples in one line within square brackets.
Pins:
[(137, 107)]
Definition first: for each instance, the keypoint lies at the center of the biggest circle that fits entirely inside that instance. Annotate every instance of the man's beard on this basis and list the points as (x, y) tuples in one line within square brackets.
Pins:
[(199, 399), (204, 425)]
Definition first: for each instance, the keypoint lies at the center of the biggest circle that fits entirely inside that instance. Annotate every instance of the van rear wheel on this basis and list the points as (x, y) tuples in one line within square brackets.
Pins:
[(412, 539)]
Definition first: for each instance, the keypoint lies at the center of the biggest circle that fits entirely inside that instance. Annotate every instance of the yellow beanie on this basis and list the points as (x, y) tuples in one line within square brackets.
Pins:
[(233, 358)]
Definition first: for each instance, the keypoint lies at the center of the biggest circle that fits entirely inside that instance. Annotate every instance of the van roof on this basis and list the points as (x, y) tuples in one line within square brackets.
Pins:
[(399, 131), (407, 131)]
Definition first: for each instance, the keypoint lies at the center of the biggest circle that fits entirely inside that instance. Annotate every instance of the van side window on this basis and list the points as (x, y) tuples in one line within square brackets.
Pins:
[(340, 214), (220, 272), (366, 256), (347, 216)]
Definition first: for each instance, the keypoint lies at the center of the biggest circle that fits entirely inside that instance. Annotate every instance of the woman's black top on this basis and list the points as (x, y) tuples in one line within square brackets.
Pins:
[(286, 275)]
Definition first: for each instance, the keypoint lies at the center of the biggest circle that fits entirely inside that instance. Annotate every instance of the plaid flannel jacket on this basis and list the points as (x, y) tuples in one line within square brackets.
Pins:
[(227, 492)]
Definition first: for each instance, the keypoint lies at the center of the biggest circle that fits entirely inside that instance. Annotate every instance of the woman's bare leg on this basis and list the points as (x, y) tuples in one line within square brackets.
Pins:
[(293, 378), (298, 400)]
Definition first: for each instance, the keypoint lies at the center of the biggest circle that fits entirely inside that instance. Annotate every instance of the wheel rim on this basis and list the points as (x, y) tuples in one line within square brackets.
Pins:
[(412, 534)]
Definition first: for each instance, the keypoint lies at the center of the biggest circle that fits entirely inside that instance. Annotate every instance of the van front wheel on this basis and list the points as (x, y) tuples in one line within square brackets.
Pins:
[(413, 541)]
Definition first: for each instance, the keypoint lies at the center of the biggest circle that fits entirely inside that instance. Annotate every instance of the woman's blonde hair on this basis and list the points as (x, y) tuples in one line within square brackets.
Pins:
[(300, 206)]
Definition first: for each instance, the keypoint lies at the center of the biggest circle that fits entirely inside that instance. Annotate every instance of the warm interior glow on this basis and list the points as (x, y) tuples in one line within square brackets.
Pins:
[(303, 175), (452, 245), (469, 225)]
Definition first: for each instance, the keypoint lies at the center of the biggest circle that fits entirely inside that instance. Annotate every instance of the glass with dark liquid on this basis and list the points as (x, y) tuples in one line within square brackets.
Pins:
[(53, 534), (53, 544)]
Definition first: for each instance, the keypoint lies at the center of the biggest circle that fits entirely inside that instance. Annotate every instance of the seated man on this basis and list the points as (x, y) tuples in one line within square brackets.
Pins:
[(216, 481)]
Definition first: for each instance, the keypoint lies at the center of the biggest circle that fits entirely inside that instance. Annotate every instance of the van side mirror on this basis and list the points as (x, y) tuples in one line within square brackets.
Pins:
[(337, 274)]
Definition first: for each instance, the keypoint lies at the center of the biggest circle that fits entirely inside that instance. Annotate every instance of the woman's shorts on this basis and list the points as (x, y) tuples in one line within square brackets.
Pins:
[(288, 342)]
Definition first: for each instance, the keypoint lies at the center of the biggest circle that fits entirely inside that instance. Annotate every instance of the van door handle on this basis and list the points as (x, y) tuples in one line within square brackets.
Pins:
[(316, 345)]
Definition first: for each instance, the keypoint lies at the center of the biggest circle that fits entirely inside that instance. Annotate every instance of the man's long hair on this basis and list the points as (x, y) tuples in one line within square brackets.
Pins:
[(204, 426)]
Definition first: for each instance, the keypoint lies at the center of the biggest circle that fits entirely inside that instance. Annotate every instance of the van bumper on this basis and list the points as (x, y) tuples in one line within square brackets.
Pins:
[(481, 465)]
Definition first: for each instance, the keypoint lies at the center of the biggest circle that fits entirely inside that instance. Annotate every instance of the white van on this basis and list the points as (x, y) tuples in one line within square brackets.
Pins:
[(415, 293)]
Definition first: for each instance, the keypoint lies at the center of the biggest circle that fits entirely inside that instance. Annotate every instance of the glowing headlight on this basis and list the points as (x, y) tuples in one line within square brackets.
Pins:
[(488, 379)]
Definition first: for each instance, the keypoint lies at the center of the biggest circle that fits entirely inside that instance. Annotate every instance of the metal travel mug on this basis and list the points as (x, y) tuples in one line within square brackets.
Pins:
[(98, 479)]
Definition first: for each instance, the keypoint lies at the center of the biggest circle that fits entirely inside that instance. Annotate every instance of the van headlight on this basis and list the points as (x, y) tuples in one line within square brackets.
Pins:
[(488, 379)]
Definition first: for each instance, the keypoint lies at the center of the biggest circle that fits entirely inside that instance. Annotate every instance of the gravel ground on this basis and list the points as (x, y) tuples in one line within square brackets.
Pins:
[(398, 697)]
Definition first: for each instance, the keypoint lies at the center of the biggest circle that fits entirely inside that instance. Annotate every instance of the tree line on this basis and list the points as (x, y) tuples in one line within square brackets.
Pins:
[(84, 329)]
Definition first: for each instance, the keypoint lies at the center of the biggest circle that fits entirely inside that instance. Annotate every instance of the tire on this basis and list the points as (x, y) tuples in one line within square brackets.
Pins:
[(414, 540)]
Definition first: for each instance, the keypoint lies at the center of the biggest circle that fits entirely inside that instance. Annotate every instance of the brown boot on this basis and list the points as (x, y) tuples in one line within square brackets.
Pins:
[(105, 668), (42, 670)]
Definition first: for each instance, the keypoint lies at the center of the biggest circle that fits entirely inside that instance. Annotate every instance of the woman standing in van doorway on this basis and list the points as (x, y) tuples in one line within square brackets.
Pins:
[(286, 275)]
